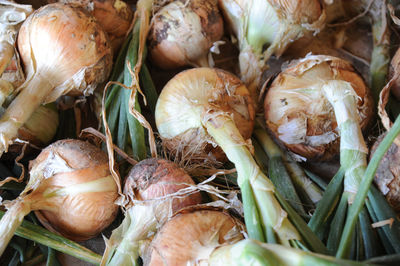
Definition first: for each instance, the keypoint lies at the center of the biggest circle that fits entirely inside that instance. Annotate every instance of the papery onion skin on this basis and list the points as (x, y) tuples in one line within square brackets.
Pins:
[(182, 33), (298, 114), (387, 177), (190, 237), (63, 40), (115, 16), (76, 216), (155, 178), (220, 89)]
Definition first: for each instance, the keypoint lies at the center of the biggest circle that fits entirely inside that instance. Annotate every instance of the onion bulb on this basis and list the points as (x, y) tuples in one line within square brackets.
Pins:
[(183, 32), (191, 236), (62, 49), (153, 187), (266, 27), (70, 188), (387, 177), (115, 16), (299, 115), (204, 106)]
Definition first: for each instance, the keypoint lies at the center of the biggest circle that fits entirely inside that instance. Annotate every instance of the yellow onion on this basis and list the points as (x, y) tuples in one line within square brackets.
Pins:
[(63, 49), (387, 177), (204, 108), (183, 32), (204, 92), (155, 188), (191, 236), (299, 115), (115, 16), (70, 188), (266, 27)]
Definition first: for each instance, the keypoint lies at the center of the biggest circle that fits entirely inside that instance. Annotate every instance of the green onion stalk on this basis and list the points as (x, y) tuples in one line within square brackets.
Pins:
[(264, 28), (286, 169), (343, 100), (249, 252), (202, 112), (54, 241)]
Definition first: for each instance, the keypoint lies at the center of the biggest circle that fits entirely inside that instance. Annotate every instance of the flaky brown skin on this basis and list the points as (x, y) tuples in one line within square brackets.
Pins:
[(387, 176), (79, 216), (154, 178), (189, 237), (316, 122)]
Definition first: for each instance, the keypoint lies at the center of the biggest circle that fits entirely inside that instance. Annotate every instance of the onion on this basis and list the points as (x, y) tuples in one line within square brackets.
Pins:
[(62, 49), (204, 106), (182, 33), (387, 177), (267, 27), (301, 117), (191, 236), (149, 186), (114, 16), (70, 188)]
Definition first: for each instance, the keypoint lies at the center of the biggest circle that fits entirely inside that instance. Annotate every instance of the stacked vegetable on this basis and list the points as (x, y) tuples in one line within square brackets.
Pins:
[(183, 164)]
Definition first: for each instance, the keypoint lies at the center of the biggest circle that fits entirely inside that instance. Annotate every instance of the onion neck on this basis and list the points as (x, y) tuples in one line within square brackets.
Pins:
[(227, 136), (11, 220), (353, 151), (21, 109), (138, 224)]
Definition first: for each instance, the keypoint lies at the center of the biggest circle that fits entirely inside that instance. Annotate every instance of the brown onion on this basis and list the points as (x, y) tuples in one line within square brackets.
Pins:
[(115, 16), (183, 32), (70, 188), (191, 236), (153, 187), (63, 49), (299, 115)]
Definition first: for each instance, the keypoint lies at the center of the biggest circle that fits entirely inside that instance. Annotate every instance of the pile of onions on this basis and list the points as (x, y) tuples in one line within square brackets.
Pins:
[(115, 16), (182, 33), (71, 190), (265, 27), (204, 107), (63, 49), (153, 188), (299, 115), (191, 237)]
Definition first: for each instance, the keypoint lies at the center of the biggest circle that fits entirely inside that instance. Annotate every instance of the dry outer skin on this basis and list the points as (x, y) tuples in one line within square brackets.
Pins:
[(190, 237), (298, 114), (183, 32), (154, 178), (205, 93), (387, 175), (76, 216)]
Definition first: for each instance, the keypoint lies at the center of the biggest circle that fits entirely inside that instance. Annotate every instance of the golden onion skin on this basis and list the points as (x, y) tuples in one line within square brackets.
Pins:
[(204, 91), (191, 236), (57, 41), (298, 114), (183, 32), (115, 16), (387, 177), (155, 178), (77, 216)]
